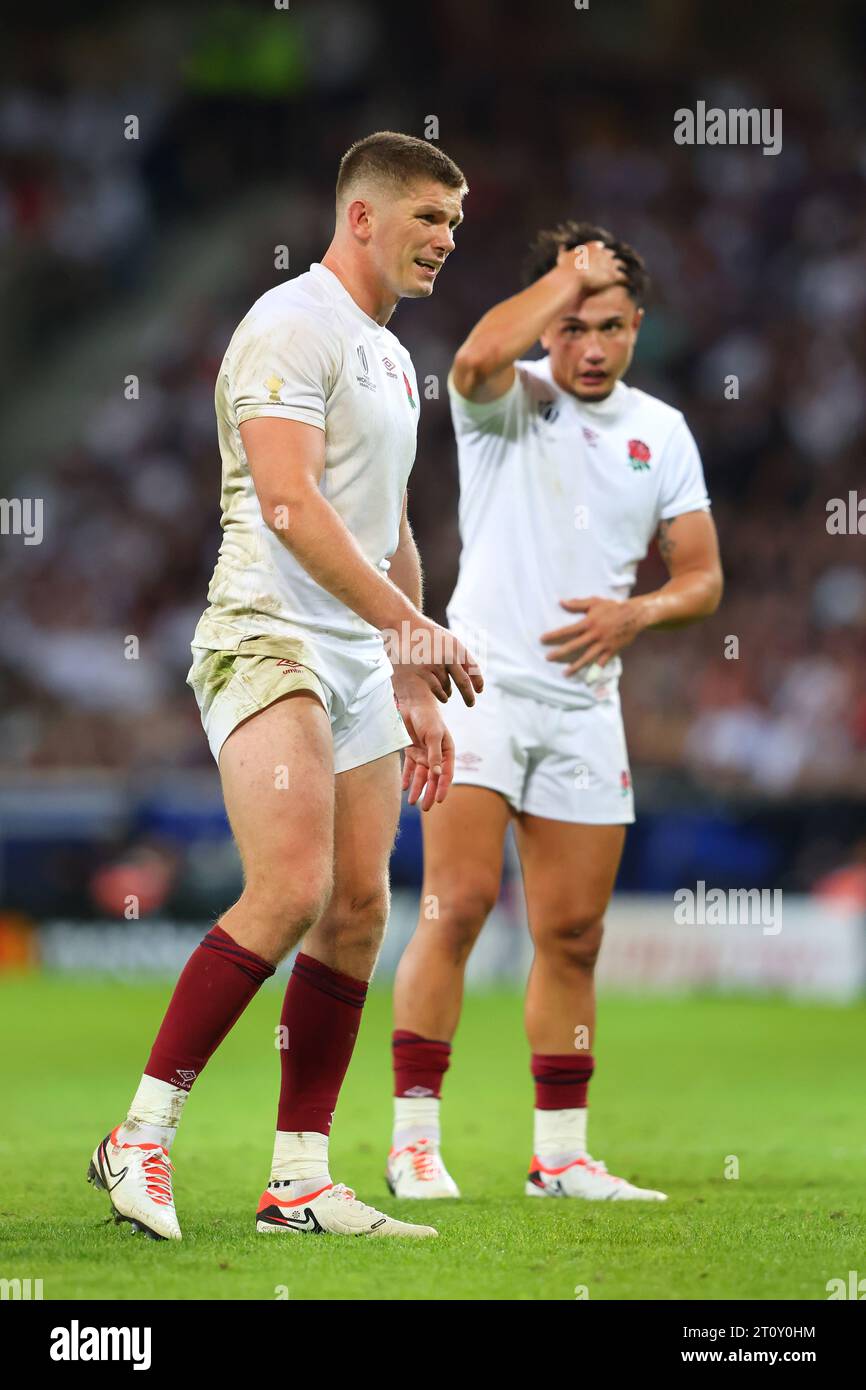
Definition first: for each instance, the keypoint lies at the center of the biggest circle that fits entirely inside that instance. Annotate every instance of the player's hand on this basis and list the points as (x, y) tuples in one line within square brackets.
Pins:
[(609, 625), (596, 265), (434, 655), (428, 766)]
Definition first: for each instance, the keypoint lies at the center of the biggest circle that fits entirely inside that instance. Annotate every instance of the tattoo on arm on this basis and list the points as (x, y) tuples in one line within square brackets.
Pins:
[(665, 540)]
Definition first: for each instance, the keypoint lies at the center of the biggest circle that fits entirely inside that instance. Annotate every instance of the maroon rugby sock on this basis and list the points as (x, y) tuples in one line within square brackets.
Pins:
[(561, 1082), (215, 986), (321, 1017), (419, 1064)]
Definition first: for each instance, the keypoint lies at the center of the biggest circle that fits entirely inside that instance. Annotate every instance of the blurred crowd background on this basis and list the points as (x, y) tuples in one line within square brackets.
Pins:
[(137, 257)]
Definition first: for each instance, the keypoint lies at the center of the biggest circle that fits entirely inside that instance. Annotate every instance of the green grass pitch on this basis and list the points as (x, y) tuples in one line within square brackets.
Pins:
[(682, 1086)]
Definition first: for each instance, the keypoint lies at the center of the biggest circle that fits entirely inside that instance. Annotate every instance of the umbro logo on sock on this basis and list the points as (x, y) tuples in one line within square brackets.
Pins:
[(418, 1091), (187, 1076)]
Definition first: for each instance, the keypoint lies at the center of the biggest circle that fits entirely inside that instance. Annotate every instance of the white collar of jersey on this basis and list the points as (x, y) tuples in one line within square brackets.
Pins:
[(334, 285), (604, 409)]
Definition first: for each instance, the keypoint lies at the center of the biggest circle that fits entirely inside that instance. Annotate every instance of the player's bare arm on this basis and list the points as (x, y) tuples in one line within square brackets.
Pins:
[(484, 366), (689, 547), (428, 766), (287, 460), (406, 571)]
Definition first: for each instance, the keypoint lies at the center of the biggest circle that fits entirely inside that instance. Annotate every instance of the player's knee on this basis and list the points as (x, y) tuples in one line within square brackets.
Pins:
[(290, 903), (575, 939), (357, 921), (463, 912)]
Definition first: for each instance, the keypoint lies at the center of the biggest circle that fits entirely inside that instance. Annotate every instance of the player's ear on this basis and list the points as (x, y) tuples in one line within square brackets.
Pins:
[(637, 320), (358, 214)]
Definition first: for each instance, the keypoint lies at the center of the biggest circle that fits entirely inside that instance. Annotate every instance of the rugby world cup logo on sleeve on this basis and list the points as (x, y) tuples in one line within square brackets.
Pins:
[(638, 455), (364, 379)]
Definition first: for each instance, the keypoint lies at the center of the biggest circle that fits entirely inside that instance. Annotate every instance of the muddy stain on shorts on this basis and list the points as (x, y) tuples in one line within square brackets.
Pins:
[(219, 672)]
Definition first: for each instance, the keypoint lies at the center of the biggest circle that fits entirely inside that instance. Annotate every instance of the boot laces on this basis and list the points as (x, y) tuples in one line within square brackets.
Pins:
[(157, 1168), (425, 1161), (341, 1193), (595, 1165)]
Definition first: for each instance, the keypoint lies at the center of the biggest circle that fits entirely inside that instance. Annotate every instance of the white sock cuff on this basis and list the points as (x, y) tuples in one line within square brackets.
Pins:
[(299, 1154), (157, 1103), (415, 1118), (560, 1132), (412, 1112)]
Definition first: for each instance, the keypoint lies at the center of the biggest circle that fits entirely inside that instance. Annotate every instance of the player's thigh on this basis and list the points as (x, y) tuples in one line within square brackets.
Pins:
[(277, 774), (464, 843), (569, 871), (366, 815)]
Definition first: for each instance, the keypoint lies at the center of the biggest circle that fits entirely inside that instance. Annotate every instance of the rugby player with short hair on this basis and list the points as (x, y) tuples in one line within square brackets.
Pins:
[(566, 476), (317, 410)]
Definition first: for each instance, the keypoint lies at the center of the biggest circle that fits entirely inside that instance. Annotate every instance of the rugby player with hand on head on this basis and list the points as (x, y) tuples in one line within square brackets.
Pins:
[(317, 410), (566, 476)]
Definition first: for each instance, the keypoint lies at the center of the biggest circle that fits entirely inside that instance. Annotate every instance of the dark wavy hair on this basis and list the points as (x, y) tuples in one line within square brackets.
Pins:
[(545, 249)]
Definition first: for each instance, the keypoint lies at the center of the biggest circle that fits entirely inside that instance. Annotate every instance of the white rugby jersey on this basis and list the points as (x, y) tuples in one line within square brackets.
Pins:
[(559, 498), (306, 351)]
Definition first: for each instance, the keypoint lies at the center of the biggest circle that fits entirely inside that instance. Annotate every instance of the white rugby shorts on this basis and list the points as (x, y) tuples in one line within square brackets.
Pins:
[(230, 686), (563, 764)]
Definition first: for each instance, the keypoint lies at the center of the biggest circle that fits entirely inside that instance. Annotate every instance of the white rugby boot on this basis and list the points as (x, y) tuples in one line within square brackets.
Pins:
[(417, 1171), (585, 1177), (330, 1210), (137, 1178)]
